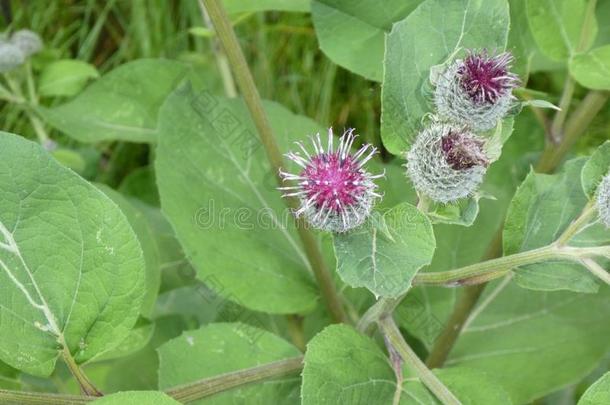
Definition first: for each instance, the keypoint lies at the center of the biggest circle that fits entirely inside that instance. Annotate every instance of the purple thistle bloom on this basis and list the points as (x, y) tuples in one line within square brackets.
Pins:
[(486, 78), (335, 191), (476, 91)]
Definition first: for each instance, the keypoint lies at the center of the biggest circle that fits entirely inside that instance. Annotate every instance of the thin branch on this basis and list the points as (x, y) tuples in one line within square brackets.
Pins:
[(246, 84), (184, 393), (210, 386), (391, 332), (597, 270)]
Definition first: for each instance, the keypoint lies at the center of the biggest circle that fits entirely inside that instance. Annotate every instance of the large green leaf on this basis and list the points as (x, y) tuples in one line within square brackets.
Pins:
[(598, 393), (136, 398), (592, 69), (121, 105), (556, 26), (72, 268), (226, 347), (540, 211), (534, 342), (412, 48), (219, 193), (140, 225), (352, 33), (65, 77), (386, 252), (345, 367)]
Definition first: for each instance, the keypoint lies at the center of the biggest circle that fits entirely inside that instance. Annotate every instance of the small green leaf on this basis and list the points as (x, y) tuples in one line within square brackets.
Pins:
[(412, 49), (72, 268), (595, 169), (386, 252), (136, 398), (121, 105), (219, 193), (65, 77), (557, 24), (352, 33), (540, 104), (598, 393), (226, 347), (496, 138), (592, 69), (463, 212)]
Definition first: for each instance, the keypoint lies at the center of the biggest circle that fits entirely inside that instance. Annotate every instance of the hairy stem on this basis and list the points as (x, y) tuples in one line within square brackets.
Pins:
[(86, 386), (391, 332), (246, 84), (223, 382), (597, 270), (184, 393), (221, 58), (575, 126), (38, 398)]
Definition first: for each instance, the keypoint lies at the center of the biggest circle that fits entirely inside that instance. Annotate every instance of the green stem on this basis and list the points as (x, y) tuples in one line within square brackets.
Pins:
[(382, 308), (588, 212), (295, 331), (564, 105), (86, 385), (246, 84), (184, 393), (30, 105), (597, 270), (389, 329), (575, 126), (221, 58), (494, 267), (38, 398), (223, 382)]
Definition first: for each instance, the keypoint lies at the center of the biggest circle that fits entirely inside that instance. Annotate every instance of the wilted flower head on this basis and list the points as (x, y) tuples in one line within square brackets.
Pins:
[(27, 41), (10, 56), (603, 200), (336, 192), (476, 91), (446, 162)]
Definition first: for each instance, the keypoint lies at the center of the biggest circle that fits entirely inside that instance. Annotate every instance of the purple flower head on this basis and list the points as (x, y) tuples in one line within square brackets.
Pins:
[(336, 192), (476, 91), (486, 78)]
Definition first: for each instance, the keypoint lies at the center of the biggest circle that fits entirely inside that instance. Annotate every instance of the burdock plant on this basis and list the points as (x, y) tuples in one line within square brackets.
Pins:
[(336, 192), (476, 91)]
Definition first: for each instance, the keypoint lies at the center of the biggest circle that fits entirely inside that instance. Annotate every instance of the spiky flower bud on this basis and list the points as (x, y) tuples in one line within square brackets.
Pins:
[(476, 91), (446, 162), (10, 57), (27, 41), (335, 191), (603, 200)]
